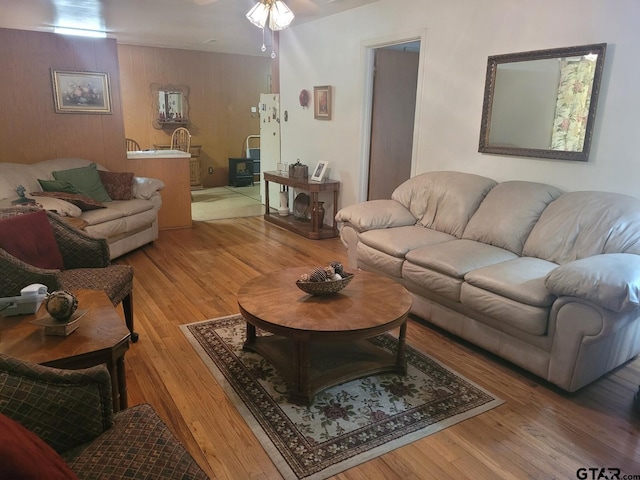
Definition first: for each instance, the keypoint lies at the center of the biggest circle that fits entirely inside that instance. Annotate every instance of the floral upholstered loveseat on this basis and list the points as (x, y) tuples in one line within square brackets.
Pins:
[(545, 279), (128, 218)]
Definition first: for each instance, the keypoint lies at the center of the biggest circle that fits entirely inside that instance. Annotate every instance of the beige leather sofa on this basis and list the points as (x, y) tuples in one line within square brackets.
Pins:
[(126, 224), (547, 280)]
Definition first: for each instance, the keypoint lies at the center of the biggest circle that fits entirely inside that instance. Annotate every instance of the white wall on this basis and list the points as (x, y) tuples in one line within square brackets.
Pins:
[(459, 35)]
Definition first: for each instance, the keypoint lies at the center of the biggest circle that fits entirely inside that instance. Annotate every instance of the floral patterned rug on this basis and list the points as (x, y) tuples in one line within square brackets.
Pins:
[(347, 424)]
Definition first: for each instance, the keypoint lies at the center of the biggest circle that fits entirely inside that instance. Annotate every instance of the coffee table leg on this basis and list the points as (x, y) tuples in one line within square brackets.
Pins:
[(301, 385), (251, 335), (401, 360)]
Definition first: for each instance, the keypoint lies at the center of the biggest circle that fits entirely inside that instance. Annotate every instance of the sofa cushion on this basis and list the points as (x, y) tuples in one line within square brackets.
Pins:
[(442, 267), (458, 257), (521, 279), (611, 281), (398, 241), (57, 186), (443, 201), (525, 318), (81, 201), (582, 224), (509, 212), (29, 238), (86, 180), (119, 185), (25, 456)]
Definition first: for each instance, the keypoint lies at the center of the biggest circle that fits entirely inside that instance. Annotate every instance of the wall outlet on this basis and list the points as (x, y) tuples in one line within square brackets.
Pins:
[(210, 170)]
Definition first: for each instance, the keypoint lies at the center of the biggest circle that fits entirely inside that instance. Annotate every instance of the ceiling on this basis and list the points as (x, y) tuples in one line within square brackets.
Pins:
[(207, 25)]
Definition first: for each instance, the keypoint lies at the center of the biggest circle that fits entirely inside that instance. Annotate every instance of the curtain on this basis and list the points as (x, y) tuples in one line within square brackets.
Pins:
[(572, 105)]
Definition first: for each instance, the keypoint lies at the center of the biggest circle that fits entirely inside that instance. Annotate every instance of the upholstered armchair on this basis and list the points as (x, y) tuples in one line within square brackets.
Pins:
[(77, 435), (84, 264)]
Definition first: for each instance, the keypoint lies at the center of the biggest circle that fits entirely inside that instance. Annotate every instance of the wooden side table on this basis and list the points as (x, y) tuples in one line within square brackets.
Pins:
[(102, 337), (290, 222)]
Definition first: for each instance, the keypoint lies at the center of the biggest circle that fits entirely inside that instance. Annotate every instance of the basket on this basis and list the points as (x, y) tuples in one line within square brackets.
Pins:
[(328, 287)]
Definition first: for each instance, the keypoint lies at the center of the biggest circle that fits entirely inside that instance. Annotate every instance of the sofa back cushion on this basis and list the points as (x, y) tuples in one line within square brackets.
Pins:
[(443, 201), (581, 224), (505, 218)]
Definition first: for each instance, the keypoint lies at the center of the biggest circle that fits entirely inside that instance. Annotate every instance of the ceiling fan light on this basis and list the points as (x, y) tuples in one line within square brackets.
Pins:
[(258, 14), (281, 16)]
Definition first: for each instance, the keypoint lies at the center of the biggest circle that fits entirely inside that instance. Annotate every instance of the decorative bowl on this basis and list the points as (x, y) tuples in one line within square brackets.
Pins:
[(328, 287)]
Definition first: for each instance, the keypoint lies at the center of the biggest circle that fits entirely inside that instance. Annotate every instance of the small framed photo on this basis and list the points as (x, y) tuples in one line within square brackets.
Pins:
[(81, 92), (319, 171), (322, 102)]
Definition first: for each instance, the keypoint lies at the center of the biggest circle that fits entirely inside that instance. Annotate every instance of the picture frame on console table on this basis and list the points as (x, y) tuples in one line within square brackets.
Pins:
[(81, 91), (322, 102), (320, 171)]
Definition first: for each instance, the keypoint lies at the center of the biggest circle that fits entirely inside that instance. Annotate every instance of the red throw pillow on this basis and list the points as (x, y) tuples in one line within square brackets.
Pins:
[(29, 238), (119, 185), (25, 456)]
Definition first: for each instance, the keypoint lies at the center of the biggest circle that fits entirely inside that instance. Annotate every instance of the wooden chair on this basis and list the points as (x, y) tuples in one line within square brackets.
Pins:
[(87, 265), (181, 139), (132, 145)]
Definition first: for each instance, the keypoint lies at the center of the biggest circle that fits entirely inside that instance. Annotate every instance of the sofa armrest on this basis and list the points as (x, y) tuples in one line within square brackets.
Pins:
[(146, 187), (66, 408), (610, 280), (376, 214)]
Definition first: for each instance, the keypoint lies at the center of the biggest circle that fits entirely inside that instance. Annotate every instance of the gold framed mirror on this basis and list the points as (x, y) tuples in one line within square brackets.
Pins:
[(542, 103), (170, 105)]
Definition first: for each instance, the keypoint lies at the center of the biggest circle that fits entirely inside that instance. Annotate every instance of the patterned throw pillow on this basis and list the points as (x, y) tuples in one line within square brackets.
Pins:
[(82, 201), (119, 185)]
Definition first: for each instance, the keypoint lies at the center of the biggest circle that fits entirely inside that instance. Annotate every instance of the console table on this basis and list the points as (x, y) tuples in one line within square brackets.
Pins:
[(290, 222)]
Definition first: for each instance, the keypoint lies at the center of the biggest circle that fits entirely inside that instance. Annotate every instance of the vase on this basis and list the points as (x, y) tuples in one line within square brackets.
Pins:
[(317, 215)]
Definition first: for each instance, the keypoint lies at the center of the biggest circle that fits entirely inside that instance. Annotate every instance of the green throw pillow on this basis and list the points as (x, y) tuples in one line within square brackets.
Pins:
[(86, 180), (57, 186)]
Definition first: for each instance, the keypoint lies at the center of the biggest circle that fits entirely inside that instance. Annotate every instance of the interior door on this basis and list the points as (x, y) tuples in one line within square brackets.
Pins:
[(393, 111)]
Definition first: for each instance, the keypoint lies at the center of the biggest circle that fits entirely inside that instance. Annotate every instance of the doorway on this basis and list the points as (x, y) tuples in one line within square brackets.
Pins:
[(394, 76)]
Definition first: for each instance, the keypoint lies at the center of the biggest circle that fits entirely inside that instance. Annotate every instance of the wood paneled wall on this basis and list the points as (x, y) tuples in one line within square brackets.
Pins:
[(222, 90), (31, 130)]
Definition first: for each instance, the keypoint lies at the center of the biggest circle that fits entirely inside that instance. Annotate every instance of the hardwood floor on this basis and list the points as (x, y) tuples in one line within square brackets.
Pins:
[(193, 274)]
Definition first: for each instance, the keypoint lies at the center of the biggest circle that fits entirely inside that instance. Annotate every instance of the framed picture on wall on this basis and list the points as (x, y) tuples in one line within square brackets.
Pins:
[(81, 92), (319, 171), (322, 102)]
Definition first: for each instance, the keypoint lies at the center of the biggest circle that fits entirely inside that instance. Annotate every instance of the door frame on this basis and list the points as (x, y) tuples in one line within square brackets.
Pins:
[(368, 53)]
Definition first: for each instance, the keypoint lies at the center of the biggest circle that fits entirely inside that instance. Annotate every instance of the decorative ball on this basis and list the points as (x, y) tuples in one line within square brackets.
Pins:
[(318, 275), (305, 277), (337, 267), (61, 304)]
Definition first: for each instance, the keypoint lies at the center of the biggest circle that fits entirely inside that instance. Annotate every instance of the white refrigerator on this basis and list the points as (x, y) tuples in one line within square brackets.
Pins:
[(269, 109)]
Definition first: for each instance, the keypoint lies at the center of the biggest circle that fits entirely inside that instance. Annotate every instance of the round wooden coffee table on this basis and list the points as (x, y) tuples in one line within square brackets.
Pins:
[(319, 342)]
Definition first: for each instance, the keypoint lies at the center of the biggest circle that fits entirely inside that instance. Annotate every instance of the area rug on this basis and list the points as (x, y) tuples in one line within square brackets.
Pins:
[(226, 202), (347, 424)]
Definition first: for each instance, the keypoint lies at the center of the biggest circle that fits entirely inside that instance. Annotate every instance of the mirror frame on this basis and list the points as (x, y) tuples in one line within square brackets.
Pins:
[(156, 88), (492, 66)]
